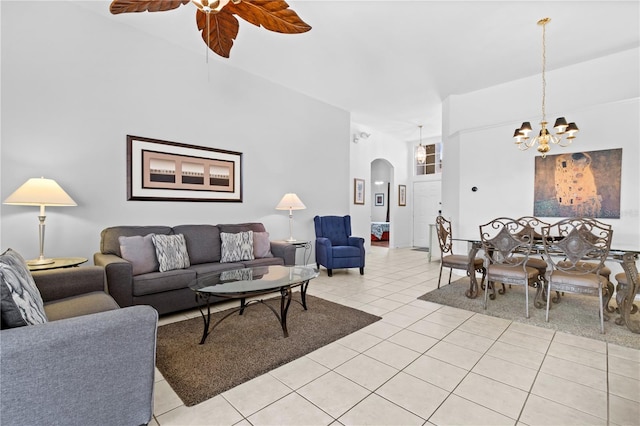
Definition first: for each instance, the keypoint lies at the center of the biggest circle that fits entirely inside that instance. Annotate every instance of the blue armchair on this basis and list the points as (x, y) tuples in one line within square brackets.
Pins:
[(335, 247)]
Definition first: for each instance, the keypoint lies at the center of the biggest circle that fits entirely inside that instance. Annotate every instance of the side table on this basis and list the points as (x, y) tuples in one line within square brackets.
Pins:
[(306, 245), (59, 262)]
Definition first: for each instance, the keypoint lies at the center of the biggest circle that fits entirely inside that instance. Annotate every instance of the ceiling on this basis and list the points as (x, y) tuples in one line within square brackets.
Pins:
[(391, 63)]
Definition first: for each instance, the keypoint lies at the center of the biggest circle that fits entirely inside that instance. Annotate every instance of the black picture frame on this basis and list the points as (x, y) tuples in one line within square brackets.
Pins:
[(159, 170)]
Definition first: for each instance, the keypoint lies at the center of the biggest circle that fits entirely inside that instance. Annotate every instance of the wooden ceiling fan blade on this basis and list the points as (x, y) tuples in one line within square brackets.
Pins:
[(128, 6), (274, 15), (219, 30)]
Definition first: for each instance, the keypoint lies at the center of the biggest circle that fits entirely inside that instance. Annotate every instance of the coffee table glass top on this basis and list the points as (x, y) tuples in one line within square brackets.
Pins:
[(252, 280)]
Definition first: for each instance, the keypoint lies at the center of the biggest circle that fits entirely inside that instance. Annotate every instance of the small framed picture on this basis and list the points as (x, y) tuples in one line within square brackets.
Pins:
[(402, 195), (358, 191), (379, 199)]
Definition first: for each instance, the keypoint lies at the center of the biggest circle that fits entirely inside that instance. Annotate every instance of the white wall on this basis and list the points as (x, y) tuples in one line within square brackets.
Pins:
[(603, 101), (380, 172), (380, 146), (74, 84)]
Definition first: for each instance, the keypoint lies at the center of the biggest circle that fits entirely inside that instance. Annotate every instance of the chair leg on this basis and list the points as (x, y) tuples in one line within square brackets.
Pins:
[(548, 300), (484, 275), (361, 271), (486, 291), (601, 311), (526, 299), (450, 272), (440, 276), (330, 272)]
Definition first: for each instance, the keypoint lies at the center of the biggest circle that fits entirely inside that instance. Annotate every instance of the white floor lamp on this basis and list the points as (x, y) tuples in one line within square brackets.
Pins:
[(40, 192), (290, 202)]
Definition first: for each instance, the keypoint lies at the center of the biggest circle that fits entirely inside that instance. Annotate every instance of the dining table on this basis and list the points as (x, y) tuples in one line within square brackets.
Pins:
[(625, 293)]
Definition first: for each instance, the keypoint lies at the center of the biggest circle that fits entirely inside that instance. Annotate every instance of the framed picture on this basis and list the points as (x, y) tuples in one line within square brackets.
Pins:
[(578, 184), (169, 171), (379, 199), (402, 195), (358, 191)]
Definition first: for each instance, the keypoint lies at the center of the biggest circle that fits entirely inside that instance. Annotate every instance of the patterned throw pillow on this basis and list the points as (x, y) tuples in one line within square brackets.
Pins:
[(21, 301), (171, 251), (236, 247), (237, 275), (140, 251), (261, 245)]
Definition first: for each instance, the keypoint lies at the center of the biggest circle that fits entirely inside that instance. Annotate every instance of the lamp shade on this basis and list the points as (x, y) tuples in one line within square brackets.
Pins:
[(290, 201), (40, 192)]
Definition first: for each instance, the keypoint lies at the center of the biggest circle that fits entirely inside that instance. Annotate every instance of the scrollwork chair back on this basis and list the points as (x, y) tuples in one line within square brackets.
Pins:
[(451, 260), (576, 250), (507, 245)]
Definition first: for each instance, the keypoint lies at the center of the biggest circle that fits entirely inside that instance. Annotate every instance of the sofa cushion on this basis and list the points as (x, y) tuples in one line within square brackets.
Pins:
[(236, 247), (171, 251), (265, 261), (346, 251), (84, 304), (158, 282), (242, 227), (141, 252), (203, 242), (261, 245), (207, 268), (21, 303), (109, 237)]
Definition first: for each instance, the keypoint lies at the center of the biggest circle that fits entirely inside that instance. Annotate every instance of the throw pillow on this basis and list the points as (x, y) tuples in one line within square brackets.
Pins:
[(236, 247), (141, 252), (21, 303), (236, 275), (261, 245), (171, 251)]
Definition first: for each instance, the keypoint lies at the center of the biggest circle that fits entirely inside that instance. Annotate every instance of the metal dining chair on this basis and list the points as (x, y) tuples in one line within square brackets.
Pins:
[(451, 260), (535, 224), (575, 250), (507, 245)]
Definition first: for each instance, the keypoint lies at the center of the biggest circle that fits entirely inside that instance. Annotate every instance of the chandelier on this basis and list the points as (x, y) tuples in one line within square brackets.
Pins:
[(562, 129), (421, 151)]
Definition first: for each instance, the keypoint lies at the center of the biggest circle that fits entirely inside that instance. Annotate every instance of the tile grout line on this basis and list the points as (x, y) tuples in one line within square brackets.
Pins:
[(608, 397), (536, 377), (470, 370)]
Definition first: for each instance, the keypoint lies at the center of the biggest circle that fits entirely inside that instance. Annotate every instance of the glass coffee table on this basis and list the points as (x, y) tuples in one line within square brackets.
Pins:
[(251, 282)]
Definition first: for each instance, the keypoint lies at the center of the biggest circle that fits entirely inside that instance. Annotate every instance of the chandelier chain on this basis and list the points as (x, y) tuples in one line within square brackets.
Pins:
[(544, 66)]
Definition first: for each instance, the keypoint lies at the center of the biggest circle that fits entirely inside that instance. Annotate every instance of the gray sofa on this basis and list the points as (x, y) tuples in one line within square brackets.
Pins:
[(91, 363), (168, 291)]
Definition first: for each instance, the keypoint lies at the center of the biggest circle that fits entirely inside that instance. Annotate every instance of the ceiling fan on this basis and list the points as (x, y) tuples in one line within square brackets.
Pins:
[(216, 19)]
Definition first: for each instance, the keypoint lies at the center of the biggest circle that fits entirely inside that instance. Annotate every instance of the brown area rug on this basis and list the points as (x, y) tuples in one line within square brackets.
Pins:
[(243, 347), (575, 314)]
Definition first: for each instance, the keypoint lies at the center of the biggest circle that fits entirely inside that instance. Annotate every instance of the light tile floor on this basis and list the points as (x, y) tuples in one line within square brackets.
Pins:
[(425, 364)]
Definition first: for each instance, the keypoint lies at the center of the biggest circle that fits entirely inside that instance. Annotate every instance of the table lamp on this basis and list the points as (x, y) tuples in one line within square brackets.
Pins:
[(40, 192), (290, 202)]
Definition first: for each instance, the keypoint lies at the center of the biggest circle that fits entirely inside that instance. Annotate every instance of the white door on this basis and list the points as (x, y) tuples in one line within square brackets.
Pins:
[(426, 203)]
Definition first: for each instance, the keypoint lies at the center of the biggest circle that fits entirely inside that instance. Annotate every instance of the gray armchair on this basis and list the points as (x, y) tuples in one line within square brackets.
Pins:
[(92, 363)]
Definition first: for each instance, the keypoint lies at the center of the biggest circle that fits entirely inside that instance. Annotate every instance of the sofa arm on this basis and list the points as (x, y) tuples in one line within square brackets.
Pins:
[(284, 250), (119, 273), (57, 284), (91, 370), (356, 242), (324, 252)]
